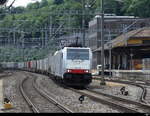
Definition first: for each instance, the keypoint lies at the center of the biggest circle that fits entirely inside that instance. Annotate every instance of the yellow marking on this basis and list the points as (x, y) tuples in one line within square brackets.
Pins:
[(119, 44), (138, 66), (8, 105), (112, 84), (131, 41), (140, 38), (135, 41)]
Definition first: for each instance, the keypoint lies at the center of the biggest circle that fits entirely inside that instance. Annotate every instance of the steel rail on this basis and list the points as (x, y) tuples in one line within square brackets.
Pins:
[(29, 102), (50, 99), (6, 75), (142, 97), (136, 104), (108, 100), (143, 85), (144, 92), (102, 100)]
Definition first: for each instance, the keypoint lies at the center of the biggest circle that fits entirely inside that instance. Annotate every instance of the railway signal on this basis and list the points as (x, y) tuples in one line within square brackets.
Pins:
[(81, 98)]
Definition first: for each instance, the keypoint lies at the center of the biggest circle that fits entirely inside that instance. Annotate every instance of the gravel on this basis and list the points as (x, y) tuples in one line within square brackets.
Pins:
[(70, 98), (134, 92), (147, 98), (63, 95), (42, 104), (11, 91)]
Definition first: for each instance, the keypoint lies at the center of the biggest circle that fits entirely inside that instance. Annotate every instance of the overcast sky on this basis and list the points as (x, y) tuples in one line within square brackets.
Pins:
[(21, 2)]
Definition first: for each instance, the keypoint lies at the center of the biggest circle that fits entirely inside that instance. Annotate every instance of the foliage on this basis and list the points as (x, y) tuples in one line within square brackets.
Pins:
[(9, 53), (138, 8), (112, 6), (37, 16), (58, 2)]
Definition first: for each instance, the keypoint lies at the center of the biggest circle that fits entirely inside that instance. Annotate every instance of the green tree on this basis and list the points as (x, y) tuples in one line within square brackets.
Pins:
[(32, 6), (139, 8), (58, 2), (43, 3), (17, 10)]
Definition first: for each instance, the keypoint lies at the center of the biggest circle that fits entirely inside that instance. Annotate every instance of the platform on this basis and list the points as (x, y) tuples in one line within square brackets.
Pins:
[(111, 84), (139, 75)]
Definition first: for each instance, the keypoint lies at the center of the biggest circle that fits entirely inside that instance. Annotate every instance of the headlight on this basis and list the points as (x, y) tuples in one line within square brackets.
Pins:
[(68, 70), (87, 71)]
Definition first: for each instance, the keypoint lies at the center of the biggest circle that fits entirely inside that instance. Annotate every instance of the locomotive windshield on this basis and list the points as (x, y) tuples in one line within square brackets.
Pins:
[(78, 54)]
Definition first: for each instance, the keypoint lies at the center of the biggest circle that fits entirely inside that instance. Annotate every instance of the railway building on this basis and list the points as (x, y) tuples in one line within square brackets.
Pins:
[(114, 26), (129, 51), (130, 54)]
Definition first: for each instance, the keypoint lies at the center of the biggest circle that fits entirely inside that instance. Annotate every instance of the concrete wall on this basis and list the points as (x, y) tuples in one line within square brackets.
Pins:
[(140, 75)]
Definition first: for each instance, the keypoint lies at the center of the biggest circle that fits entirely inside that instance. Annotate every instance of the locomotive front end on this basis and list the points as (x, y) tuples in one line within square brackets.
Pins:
[(78, 66)]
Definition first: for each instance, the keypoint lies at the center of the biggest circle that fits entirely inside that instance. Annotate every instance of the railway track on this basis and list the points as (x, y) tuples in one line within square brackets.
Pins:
[(34, 107), (116, 102), (45, 94), (29, 102), (6, 74), (141, 85), (147, 96)]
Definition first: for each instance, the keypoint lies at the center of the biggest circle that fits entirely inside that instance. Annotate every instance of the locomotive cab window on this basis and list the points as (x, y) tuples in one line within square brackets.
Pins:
[(78, 54)]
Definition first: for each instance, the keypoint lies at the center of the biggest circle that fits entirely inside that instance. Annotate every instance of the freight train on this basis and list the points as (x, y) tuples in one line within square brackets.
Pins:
[(70, 65)]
